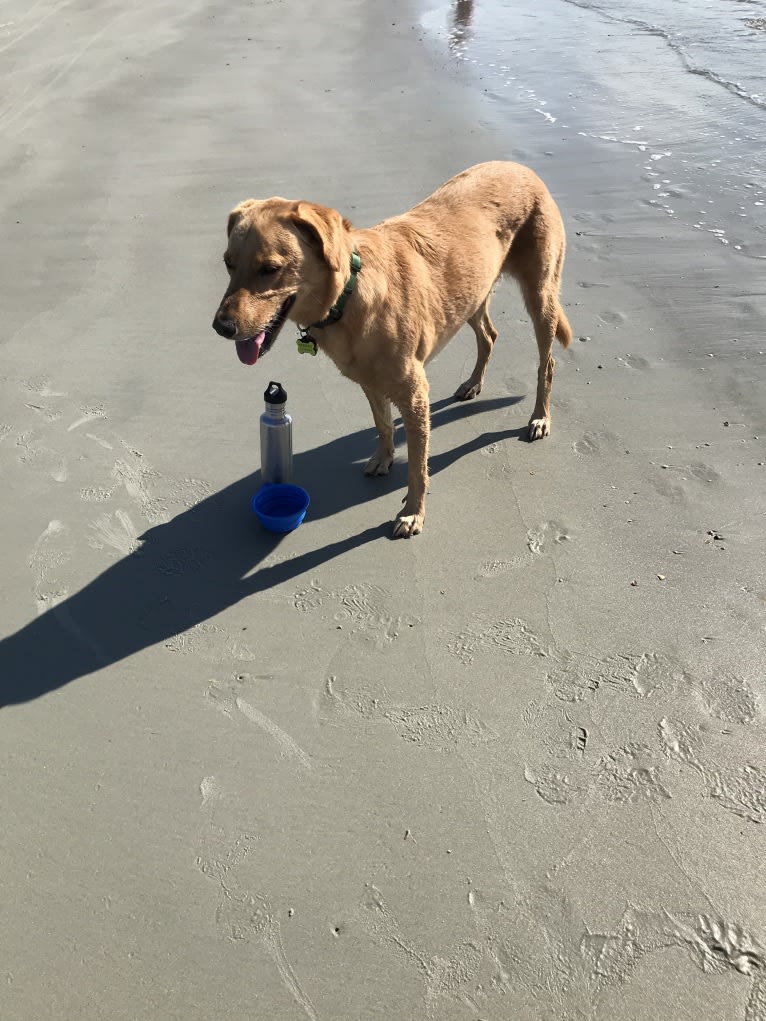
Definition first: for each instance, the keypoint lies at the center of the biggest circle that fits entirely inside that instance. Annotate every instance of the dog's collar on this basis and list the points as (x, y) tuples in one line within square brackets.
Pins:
[(336, 311), (306, 343)]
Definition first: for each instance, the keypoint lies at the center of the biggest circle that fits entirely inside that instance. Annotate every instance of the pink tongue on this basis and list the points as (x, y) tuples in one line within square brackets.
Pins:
[(248, 350)]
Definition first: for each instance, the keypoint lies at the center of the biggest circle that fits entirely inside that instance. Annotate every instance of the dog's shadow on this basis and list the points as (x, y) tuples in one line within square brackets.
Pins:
[(204, 560)]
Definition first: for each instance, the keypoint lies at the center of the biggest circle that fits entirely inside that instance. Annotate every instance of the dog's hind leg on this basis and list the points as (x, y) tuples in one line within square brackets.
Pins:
[(381, 460), (536, 261), (549, 323), (542, 310), (486, 334)]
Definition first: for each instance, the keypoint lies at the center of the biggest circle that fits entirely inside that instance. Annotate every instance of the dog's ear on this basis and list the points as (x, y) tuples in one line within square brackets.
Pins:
[(236, 214), (324, 230)]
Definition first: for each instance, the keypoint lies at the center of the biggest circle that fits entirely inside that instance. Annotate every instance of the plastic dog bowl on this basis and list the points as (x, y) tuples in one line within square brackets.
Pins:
[(280, 506)]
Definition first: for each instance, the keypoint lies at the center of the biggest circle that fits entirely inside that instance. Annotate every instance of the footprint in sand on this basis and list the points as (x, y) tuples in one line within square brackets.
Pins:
[(450, 978), (495, 567), (42, 445), (30, 452), (205, 641), (441, 727), (546, 536), (114, 533), (633, 362), (612, 318), (575, 677), (701, 472), (362, 610), (310, 598), (593, 444), (95, 494), (740, 790), (242, 916), (567, 770), (512, 637), (672, 479), (224, 694), (52, 551), (729, 698), (630, 774)]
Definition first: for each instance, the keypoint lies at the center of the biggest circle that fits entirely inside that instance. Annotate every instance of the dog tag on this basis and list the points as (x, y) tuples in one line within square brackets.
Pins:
[(306, 344)]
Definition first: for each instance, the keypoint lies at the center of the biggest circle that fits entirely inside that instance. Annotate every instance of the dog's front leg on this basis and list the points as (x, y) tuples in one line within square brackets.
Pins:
[(381, 460), (415, 411)]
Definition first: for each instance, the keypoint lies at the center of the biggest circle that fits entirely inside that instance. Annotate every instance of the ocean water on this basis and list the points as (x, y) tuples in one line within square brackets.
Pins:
[(721, 40), (680, 83)]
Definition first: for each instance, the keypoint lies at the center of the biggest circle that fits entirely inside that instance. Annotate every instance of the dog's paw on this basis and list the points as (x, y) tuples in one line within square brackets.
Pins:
[(379, 464), (407, 525), (467, 391), (539, 427)]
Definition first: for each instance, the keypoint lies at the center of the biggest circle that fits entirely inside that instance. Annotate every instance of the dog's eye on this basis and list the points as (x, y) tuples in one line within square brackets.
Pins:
[(268, 269)]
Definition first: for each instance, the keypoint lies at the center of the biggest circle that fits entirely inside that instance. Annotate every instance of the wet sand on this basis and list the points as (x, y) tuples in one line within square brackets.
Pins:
[(512, 768)]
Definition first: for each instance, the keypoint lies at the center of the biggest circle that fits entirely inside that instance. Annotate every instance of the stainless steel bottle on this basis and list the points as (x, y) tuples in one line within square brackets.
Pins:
[(276, 437)]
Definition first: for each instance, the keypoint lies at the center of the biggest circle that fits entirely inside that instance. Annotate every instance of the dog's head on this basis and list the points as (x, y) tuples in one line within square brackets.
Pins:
[(285, 260)]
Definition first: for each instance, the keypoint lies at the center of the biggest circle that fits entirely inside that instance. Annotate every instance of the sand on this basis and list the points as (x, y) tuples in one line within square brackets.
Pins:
[(510, 769)]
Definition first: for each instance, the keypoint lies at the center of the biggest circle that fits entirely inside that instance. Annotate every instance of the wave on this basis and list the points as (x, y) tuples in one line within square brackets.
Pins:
[(673, 41)]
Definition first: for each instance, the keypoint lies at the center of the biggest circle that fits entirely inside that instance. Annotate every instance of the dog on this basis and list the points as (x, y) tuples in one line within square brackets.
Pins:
[(383, 301)]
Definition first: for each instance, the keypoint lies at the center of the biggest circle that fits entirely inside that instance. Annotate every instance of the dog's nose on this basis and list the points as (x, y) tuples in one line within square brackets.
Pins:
[(225, 327)]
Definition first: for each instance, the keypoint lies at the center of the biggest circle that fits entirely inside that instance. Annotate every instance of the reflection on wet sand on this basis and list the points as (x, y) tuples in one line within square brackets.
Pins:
[(460, 30)]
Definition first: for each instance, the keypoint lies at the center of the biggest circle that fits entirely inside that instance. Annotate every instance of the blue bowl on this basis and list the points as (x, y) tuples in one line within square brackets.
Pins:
[(280, 506)]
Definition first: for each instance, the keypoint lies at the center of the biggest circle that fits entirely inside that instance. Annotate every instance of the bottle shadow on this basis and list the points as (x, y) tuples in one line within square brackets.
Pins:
[(204, 560)]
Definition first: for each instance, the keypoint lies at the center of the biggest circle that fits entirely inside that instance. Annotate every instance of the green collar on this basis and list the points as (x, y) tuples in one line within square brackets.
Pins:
[(336, 311), (306, 343)]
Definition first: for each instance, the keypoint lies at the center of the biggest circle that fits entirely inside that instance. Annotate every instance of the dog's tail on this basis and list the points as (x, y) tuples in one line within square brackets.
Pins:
[(563, 329)]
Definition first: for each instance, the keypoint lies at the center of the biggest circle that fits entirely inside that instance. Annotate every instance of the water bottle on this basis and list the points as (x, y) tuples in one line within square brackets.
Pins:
[(276, 437)]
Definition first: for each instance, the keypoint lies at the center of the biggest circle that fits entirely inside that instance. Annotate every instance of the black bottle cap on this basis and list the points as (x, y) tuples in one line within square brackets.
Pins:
[(275, 394)]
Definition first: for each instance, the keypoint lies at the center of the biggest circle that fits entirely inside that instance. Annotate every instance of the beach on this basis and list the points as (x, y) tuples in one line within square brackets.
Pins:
[(511, 768)]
